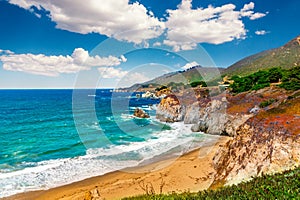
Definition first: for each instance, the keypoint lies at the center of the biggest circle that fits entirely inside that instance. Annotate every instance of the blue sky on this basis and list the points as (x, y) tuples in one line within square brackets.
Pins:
[(54, 44)]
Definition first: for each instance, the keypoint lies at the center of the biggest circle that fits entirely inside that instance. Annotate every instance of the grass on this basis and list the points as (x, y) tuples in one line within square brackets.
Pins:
[(284, 185)]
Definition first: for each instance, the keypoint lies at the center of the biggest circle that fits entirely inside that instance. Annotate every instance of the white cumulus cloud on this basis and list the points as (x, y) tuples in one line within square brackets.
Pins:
[(261, 32), (110, 72), (123, 58), (6, 51), (113, 18), (189, 65), (247, 11), (184, 27), (125, 78), (134, 77), (187, 26), (41, 64)]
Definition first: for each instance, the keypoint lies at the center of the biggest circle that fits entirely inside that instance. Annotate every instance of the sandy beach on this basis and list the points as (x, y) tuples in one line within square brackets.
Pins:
[(190, 172)]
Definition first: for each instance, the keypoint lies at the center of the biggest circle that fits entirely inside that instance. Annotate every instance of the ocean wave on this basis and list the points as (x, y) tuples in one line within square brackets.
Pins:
[(98, 161)]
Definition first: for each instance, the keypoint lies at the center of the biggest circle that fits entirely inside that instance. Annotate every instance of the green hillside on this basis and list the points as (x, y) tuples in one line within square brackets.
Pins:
[(285, 57), (185, 77)]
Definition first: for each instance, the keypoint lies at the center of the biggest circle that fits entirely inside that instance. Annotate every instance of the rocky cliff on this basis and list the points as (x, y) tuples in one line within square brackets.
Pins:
[(268, 142), (208, 115), (170, 109), (265, 137)]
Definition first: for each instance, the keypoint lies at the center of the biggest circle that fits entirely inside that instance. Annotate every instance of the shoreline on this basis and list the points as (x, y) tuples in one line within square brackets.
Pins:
[(189, 172)]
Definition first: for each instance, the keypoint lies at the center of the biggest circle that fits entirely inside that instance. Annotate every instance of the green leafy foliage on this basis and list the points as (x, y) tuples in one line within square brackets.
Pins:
[(275, 74), (279, 186), (196, 83), (290, 79), (266, 103)]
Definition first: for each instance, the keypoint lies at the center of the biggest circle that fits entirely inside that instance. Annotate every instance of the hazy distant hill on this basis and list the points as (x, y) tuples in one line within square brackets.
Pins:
[(286, 56), (195, 73)]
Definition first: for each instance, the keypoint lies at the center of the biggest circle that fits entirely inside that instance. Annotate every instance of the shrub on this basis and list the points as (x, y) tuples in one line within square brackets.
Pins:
[(261, 79), (196, 83), (260, 86), (291, 79), (267, 103)]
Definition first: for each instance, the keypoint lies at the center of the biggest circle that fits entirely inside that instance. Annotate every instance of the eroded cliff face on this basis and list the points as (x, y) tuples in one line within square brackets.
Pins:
[(254, 152), (170, 109), (217, 120), (207, 115), (264, 139), (266, 143)]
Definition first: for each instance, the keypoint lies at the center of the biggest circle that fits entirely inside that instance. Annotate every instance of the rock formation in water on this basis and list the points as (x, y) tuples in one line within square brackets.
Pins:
[(170, 109), (140, 113)]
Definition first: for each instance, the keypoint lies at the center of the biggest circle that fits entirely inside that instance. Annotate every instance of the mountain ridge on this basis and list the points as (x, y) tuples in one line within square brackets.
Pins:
[(188, 76), (286, 56)]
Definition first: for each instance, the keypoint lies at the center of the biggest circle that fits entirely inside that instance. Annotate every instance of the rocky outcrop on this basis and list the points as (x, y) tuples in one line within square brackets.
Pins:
[(213, 118), (140, 113), (170, 109), (264, 140), (149, 95), (266, 143), (192, 115), (234, 122), (254, 152), (199, 127)]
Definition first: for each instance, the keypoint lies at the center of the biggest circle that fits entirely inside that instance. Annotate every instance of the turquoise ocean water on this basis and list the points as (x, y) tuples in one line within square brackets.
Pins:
[(53, 137)]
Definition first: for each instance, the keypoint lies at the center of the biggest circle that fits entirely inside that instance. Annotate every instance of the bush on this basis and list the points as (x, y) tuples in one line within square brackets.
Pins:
[(261, 79), (196, 83), (266, 103), (291, 79), (260, 86), (275, 74)]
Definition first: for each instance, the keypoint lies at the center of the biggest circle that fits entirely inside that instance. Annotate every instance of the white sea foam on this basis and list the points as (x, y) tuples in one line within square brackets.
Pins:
[(53, 173)]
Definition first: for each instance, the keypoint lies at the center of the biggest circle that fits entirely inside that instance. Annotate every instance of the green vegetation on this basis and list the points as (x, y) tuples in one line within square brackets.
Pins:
[(174, 85), (286, 57), (278, 186), (290, 79), (266, 103), (197, 83), (149, 85)]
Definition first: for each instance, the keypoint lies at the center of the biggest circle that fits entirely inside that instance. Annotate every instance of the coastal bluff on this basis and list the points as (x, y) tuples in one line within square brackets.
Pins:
[(264, 139)]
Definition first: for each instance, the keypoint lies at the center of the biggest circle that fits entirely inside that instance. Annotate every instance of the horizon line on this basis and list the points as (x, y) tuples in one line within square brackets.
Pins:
[(54, 88)]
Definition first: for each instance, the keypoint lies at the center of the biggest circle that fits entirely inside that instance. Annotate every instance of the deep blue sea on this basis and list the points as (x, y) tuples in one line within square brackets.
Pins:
[(53, 137)]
